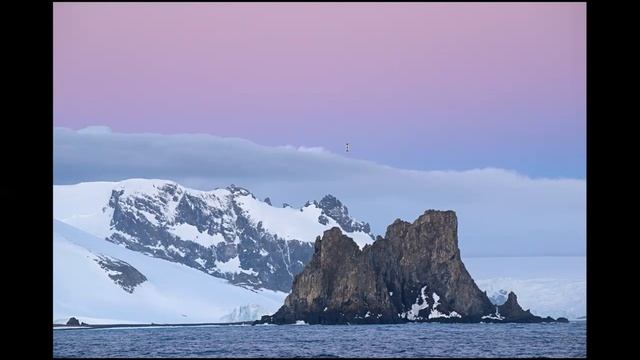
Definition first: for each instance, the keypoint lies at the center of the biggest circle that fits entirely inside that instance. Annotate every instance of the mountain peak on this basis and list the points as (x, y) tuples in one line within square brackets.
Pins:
[(309, 203), (238, 190), (333, 208), (136, 185), (330, 202)]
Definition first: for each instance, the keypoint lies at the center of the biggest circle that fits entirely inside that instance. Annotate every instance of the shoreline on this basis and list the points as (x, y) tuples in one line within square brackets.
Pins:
[(109, 326)]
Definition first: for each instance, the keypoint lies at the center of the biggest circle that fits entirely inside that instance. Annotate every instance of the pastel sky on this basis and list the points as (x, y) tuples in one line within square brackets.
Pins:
[(426, 86)]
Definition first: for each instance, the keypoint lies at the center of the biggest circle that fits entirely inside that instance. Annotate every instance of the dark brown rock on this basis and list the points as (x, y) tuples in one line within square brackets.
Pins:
[(512, 311), (414, 273), (73, 322)]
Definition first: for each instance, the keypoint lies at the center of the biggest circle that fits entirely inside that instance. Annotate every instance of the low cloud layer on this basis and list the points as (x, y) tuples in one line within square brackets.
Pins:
[(500, 212)]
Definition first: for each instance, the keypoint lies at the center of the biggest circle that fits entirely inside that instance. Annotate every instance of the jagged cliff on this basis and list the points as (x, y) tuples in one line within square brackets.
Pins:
[(414, 273)]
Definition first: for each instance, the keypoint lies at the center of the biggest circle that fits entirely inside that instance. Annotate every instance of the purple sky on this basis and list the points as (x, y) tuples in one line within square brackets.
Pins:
[(413, 85)]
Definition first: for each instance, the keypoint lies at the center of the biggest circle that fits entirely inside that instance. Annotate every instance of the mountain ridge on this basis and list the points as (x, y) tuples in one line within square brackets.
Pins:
[(226, 232)]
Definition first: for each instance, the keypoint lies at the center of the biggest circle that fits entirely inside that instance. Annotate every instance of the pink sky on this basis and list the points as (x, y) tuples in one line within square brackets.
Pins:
[(492, 84)]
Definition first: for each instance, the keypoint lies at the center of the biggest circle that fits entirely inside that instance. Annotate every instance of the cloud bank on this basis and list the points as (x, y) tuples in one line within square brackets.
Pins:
[(500, 212)]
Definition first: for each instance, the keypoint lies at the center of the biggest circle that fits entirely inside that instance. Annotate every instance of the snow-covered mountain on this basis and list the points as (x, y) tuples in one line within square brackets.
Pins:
[(227, 233), (97, 281), (174, 255)]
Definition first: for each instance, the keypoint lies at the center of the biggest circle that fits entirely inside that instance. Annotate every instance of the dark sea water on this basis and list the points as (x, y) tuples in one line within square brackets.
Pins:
[(406, 340)]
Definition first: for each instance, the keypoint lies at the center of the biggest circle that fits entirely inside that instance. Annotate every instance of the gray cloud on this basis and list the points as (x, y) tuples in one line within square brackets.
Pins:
[(500, 212)]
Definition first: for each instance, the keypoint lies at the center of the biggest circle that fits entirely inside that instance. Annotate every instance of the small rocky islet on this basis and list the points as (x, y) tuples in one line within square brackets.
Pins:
[(412, 274)]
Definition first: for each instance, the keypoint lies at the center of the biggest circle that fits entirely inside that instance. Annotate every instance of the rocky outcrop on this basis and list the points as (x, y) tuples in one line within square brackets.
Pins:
[(73, 322), (121, 272), (332, 207), (511, 311), (414, 273)]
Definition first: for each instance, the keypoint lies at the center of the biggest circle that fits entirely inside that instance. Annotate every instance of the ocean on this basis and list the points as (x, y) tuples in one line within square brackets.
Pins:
[(401, 340)]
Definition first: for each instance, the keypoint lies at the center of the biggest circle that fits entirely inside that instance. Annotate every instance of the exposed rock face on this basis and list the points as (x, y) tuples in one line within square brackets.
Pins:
[(511, 309), (414, 273), (73, 322), (121, 272), (221, 232), (333, 208)]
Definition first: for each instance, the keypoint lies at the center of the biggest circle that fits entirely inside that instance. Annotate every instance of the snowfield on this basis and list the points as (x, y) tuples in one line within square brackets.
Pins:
[(173, 293), (294, 224)]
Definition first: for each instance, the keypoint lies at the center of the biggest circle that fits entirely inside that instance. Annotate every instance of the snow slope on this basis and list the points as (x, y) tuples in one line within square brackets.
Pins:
[(173, 293), (294, 224), (82, 206)]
